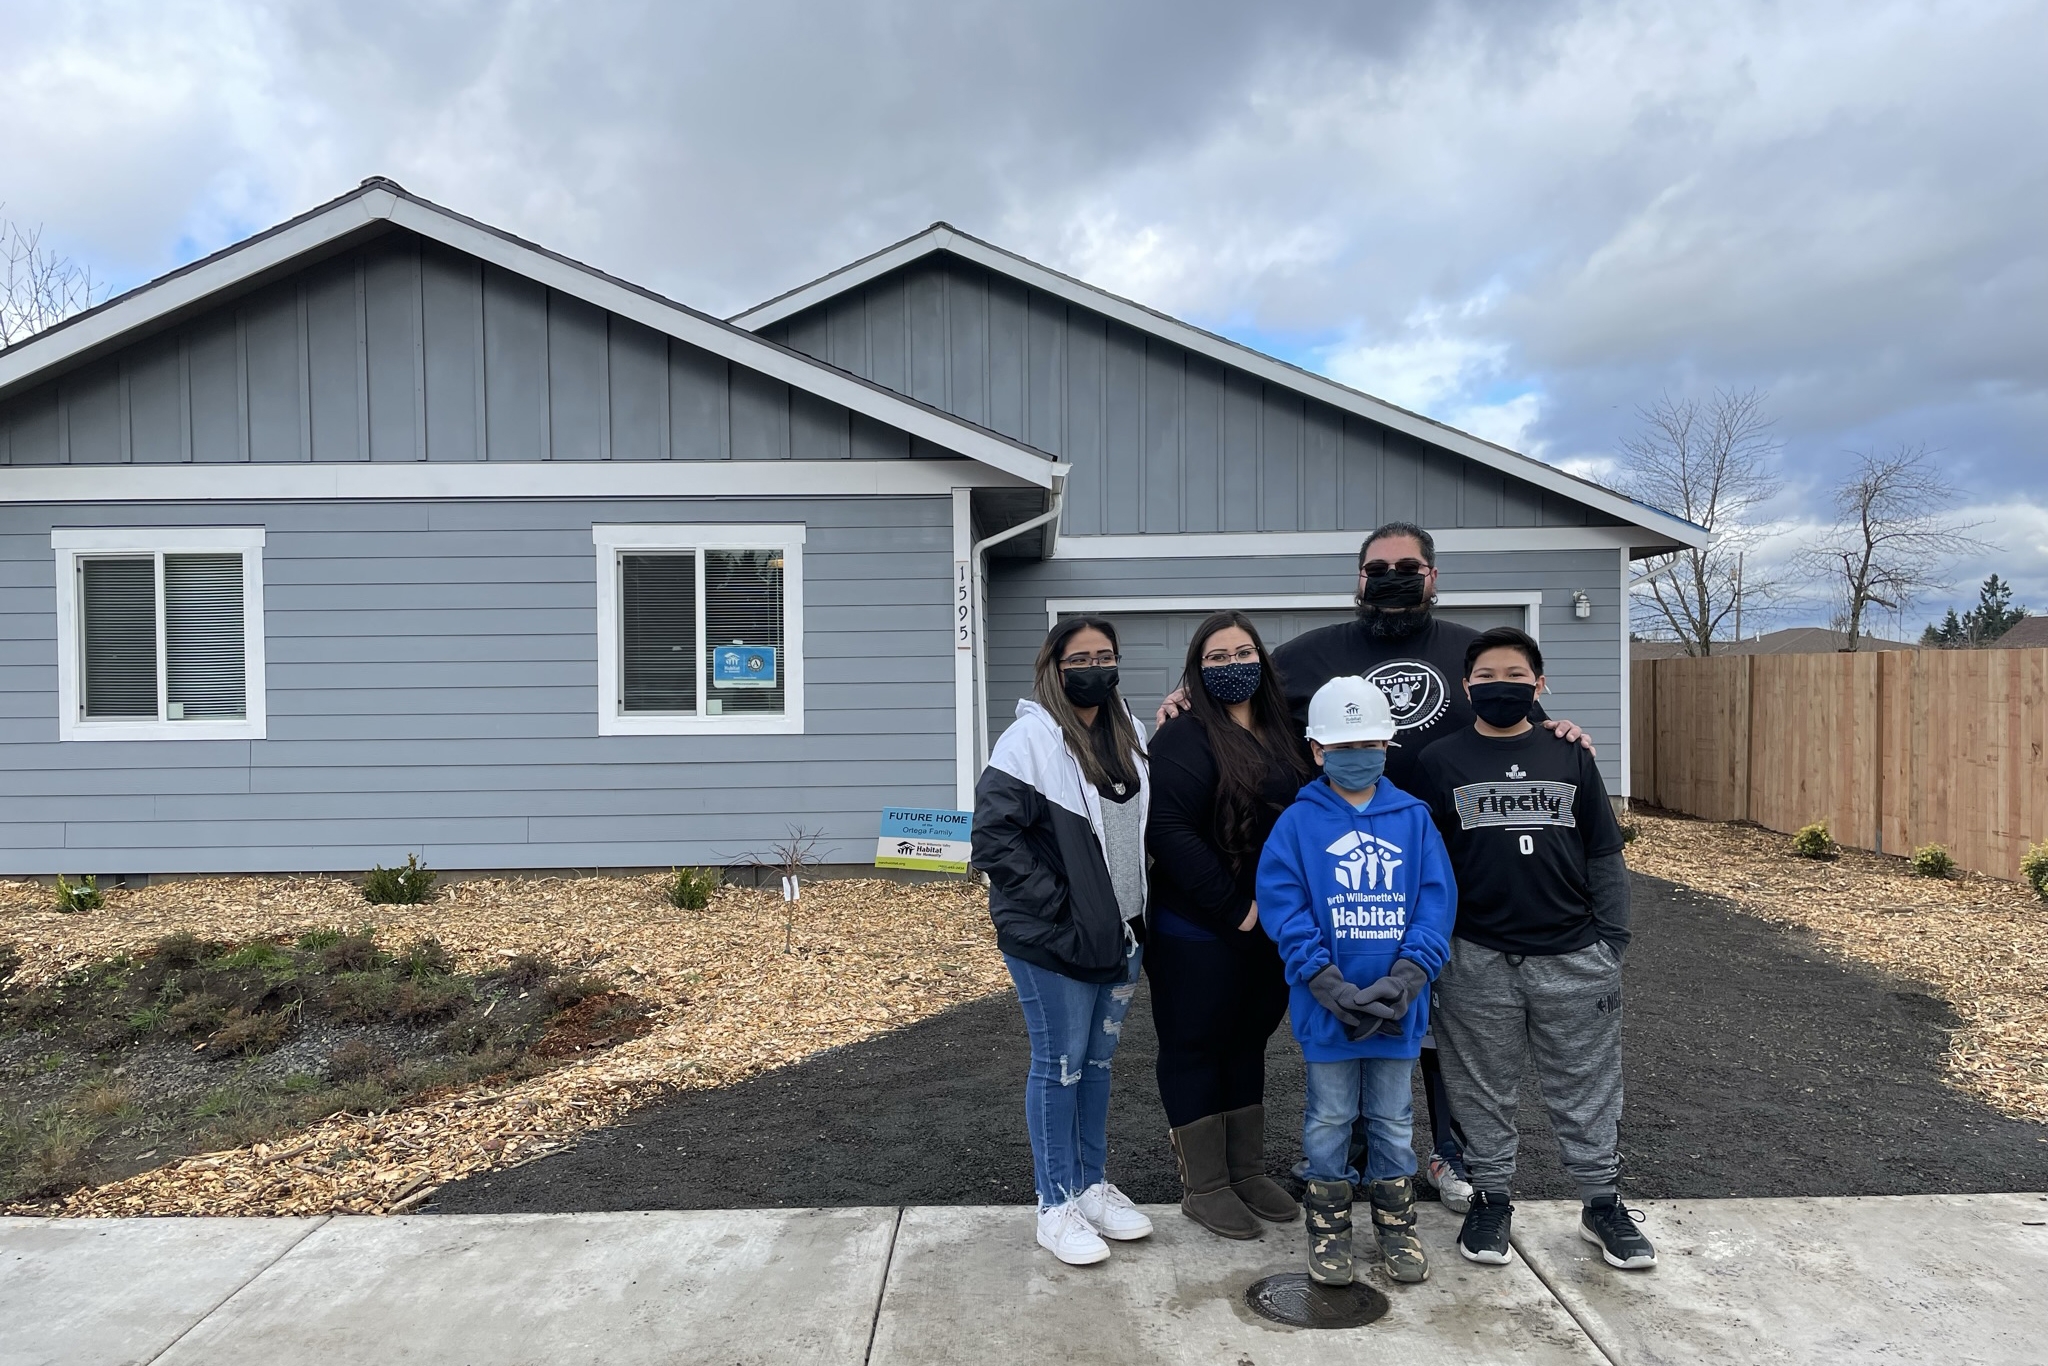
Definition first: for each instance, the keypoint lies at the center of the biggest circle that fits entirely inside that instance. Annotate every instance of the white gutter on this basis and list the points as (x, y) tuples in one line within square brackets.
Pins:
[(980, 549)]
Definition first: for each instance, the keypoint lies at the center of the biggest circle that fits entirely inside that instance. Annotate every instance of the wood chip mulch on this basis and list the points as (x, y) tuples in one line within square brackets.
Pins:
[(1980, 943), (736, 989)]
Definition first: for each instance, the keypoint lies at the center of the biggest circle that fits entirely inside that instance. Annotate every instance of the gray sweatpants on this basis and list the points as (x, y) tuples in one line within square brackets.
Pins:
[(1493, 1011)]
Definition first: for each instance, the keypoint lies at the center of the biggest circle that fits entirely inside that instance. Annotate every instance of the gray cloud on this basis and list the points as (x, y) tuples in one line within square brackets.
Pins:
[(1524, 217)]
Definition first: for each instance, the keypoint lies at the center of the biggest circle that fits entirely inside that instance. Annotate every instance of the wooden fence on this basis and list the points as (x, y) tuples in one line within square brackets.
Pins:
[(1893, 750)]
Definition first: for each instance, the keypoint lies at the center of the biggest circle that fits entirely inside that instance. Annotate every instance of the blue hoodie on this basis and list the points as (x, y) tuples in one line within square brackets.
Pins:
[(1357, 889)]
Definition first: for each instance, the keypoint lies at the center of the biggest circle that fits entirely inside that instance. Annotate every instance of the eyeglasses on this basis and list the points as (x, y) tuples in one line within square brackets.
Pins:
[(1243, 654), (1101, 659), (1379, 569)]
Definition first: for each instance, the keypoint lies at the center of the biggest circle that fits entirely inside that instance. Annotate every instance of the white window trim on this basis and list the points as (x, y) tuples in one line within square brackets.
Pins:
[(1531, 603), (70, 544), (613, 539)]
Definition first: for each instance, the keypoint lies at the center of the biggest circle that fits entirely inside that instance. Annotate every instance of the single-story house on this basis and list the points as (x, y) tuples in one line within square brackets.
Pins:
[(386, 531), (1792, 640)]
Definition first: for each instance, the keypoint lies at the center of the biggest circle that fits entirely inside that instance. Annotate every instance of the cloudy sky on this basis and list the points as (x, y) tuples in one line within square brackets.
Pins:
[(1525, 218)]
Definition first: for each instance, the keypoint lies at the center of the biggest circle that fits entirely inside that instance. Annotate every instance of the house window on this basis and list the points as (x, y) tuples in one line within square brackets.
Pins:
[(160, 633), (700, 629)]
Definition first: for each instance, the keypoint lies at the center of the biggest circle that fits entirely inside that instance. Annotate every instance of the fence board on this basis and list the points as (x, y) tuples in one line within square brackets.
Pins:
[(1893, 750)]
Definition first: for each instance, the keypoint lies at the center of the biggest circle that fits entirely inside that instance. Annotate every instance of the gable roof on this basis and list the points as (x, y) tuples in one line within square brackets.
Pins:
[(378, 205), (2028, 633), (944, 237)]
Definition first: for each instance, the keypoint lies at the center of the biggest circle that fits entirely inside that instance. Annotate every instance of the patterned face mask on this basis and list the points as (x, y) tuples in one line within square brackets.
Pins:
[(1229, 683)]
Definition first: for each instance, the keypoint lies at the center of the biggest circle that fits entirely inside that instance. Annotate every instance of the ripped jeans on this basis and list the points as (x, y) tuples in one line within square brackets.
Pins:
[(1074, 1028)]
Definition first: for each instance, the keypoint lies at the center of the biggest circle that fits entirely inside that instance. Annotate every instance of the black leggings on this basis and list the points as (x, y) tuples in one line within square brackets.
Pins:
[(1215, 1002)]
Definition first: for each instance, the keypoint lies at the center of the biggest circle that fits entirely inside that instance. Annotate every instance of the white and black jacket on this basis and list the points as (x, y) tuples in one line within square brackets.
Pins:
[(1038, 836)]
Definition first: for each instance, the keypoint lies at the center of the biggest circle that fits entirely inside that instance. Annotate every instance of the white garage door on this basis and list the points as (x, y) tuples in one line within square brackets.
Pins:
[(1155, 644)]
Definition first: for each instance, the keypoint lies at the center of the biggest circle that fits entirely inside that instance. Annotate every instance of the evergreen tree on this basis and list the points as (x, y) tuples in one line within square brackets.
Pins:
[(1994, 613), (1948, 635)]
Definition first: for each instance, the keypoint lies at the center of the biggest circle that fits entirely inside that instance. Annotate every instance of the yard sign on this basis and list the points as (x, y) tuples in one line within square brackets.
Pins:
[(936, 841)]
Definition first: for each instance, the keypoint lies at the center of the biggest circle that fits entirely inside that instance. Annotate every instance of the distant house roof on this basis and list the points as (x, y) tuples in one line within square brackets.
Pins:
[(379, 204), (943, 237), (1793, 640), (2029, 633)]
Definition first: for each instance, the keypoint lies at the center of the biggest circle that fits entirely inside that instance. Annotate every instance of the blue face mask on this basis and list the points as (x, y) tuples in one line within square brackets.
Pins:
[(1229, 683), (1354, 770)]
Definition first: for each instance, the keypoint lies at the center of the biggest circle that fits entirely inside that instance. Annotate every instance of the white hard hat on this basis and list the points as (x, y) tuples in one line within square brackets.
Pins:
[(1348, 708)]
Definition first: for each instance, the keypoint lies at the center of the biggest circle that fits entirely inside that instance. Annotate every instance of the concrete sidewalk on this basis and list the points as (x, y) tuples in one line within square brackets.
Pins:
[(1912, 1278)]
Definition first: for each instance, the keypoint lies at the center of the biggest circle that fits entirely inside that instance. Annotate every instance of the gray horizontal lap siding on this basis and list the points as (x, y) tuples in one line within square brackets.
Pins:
[(1160, 439), (1582, 659), (432, 686), (406, 350)]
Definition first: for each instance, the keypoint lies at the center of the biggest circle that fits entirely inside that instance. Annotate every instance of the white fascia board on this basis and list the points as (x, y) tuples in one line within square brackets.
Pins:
[(1266, 544), (177, 292), (943, 238), (727, 341), (527, 479)]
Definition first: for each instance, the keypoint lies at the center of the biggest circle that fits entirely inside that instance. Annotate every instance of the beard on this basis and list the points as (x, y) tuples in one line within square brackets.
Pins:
[(1391, 623)]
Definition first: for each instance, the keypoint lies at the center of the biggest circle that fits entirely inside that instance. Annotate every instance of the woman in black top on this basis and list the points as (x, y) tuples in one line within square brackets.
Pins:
[(1222, 772)]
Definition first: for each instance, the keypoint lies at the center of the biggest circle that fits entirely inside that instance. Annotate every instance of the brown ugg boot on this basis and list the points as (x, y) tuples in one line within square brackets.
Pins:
[(1244, 1150), (1206, 1196)]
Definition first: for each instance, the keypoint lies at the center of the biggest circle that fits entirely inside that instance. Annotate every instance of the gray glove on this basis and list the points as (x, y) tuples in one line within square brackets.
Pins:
[(1336, 995), (1390, 997)]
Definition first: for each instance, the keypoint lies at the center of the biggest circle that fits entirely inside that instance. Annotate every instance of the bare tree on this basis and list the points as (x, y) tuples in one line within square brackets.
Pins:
[(1890, 542), (1712, 462), (40, 288)]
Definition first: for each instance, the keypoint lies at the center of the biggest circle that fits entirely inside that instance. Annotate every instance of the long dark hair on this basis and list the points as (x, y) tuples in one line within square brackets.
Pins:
[(1243, 756), (1104, 749)]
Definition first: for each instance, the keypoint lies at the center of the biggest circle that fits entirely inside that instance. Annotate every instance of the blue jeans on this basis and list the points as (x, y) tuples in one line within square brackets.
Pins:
[(1379, 1090), (1074, 1029)]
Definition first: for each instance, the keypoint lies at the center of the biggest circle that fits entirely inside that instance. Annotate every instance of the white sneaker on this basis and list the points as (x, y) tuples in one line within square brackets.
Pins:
[(1066, 1233), (1112, 1213), (1452, 1189)]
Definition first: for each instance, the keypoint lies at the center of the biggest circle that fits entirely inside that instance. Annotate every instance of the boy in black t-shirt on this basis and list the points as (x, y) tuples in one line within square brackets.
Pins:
[(1535, 967)]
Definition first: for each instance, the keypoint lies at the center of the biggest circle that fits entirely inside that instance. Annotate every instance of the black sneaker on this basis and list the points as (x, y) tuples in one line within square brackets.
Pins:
[(1611, 1225), (1484, 1238)]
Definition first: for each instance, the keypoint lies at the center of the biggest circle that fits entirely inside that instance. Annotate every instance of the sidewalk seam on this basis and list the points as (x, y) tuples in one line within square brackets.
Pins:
[(1593, 1336), (882, 1291), (289, 1248)]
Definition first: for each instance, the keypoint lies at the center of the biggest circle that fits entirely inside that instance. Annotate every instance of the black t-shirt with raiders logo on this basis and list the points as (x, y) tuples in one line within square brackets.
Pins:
[(1422, 675), (1520, 816)]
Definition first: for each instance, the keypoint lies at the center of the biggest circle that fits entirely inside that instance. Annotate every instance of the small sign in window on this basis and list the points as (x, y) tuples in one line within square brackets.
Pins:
[(743, 666)]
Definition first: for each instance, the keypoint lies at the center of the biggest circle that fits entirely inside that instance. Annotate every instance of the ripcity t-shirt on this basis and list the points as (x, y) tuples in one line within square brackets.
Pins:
[(1520, 817)]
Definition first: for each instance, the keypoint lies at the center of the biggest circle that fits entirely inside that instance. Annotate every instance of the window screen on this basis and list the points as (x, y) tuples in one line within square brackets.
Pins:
[(120, 638), (743, 631), (203, 636), (658, 645)]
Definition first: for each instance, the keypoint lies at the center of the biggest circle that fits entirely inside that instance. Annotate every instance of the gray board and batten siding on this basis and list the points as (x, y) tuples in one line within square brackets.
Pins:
[(1157, 435), (1581, 658), (432, 686), (404, 349)]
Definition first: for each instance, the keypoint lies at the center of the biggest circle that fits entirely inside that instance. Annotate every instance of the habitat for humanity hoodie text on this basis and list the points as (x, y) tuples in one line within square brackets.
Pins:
[(1357, 889)]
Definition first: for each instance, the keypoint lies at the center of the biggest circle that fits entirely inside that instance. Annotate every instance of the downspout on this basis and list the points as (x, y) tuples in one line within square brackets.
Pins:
[(980, 549)]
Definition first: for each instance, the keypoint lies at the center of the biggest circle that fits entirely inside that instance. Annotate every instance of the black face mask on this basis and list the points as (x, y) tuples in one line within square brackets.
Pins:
[(1089, 687), (1393, 590), (1503, 704)]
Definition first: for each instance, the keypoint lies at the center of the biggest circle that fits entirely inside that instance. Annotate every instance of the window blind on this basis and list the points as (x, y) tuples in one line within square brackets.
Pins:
[(120, 637), (658, 630), (203, 637), (743, 606)]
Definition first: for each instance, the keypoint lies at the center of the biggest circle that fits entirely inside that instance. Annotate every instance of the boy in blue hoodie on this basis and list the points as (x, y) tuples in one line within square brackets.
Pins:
[(1355, 888)]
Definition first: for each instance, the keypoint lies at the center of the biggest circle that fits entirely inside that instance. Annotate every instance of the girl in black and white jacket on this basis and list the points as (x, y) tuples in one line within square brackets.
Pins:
[(1059, 827)]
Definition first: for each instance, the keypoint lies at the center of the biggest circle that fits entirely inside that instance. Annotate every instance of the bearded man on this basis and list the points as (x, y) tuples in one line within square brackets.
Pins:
[(1398, 643)]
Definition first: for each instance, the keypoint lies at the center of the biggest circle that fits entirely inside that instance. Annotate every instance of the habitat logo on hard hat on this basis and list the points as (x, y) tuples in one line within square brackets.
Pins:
[(1348, 709)]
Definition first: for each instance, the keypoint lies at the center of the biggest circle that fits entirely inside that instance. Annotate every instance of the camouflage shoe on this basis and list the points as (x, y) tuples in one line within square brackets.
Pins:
[(1393, 1226), (1327, 1210)]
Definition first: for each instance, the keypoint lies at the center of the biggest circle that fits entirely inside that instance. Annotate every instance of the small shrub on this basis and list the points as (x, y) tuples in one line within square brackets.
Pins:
[(361, 997), (469, 1032), (250, 1033), (362, 1096), (690, 889), (407, 886), (357, 952), (1813, 841), (575, 988), (196, 1015), (2034, 868), (424, 958), (356, 1059), (1931, 860), (105, 1100), (526, 971), (314, 941), (42, 1152), (423, 1002), (83, 895), (262, 955), (183, 949), (1629, 833)]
